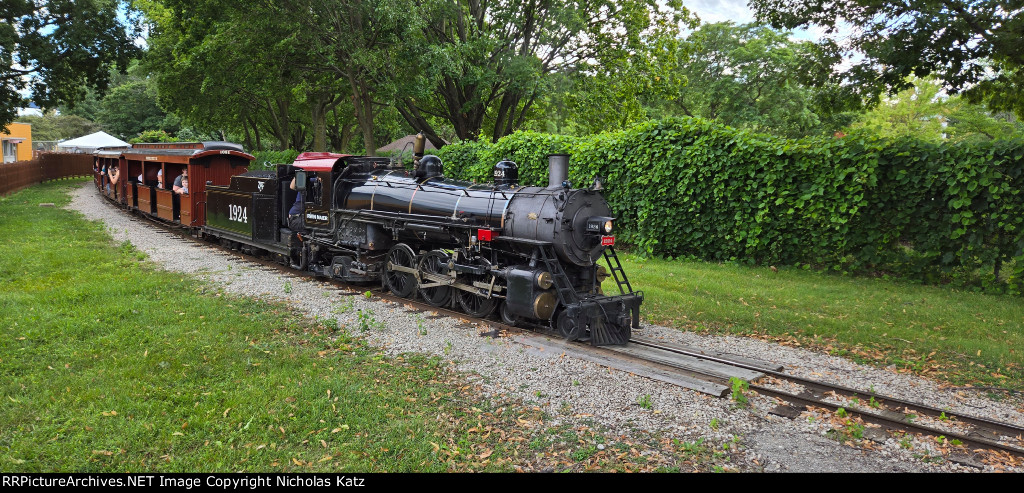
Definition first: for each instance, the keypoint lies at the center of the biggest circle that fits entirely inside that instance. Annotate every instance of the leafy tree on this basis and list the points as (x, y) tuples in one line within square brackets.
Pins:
[(209, 79), (132, 108), (972, 45), (969, 121), (56, 49), (484, 65), (52, 126), (90, 107), (341, 126), (153, 136), (191, 134), (752, 76), (246, 67), (361, 43), (619, 87), (925, 112), (919, 111)]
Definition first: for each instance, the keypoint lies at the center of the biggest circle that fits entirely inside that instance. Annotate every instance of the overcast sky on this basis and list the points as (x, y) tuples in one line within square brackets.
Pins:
[(711, 11)]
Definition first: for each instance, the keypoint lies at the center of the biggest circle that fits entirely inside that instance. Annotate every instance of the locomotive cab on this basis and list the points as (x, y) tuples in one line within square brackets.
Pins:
[(328, 245)]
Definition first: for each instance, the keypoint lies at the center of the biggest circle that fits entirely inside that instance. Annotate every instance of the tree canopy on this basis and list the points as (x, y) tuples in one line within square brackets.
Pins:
[(973, 46), (349, 75), (751, 76), (453, 69), (485, 65), (53, 127), (53, 50), (923, 111)]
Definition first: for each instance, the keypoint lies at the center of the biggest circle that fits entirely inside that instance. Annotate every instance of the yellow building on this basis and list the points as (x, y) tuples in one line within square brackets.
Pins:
[(17, 145)]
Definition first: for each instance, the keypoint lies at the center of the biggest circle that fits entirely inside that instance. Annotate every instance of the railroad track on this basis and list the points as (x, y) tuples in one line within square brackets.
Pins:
[(889, 413), (703, 371)]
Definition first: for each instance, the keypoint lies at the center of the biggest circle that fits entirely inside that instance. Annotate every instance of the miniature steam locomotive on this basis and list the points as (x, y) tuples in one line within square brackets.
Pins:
[(531, 253)]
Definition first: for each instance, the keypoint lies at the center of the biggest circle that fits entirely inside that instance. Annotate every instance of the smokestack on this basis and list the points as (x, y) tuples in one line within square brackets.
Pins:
[(558, 169)]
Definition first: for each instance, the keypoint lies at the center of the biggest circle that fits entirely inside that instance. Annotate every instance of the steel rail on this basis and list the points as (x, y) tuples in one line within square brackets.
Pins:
[(817, 391), (821, 388), (969, 441)]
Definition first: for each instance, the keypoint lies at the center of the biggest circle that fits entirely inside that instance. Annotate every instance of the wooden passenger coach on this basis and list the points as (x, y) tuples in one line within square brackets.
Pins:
[(105, 158), (148, 171)]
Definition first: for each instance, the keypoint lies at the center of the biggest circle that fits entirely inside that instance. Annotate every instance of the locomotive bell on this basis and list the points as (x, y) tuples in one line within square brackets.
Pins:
[(506, 174)]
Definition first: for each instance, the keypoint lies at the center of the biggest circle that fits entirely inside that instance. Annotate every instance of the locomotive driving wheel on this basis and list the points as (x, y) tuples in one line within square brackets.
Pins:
[(474, 304), (399, 271), (435, 262)]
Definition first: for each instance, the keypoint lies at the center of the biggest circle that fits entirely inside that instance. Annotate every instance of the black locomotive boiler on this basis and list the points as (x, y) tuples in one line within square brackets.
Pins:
[(529, 252)]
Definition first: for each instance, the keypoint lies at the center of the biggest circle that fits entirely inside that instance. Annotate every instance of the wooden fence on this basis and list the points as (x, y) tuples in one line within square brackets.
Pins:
[(48, 166)]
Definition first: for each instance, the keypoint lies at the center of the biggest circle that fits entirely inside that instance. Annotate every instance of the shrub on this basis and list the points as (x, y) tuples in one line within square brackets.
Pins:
[(268, 159), (690, 187)]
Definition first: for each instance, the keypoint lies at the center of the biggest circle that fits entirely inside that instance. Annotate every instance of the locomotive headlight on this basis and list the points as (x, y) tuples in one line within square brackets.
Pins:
[(599, 225)]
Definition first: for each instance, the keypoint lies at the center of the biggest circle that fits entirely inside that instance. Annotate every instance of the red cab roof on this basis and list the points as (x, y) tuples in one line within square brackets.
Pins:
[(317, 161)]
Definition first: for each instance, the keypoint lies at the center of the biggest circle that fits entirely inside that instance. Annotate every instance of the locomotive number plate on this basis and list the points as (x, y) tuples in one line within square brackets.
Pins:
[(607, 241), (237, 213)]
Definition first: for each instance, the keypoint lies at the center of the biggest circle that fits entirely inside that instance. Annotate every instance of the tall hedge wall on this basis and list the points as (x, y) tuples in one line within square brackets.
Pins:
[(689, 187)]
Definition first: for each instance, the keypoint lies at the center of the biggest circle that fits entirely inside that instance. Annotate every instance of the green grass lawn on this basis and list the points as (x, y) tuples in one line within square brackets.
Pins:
[(110, 364), (962, 337)]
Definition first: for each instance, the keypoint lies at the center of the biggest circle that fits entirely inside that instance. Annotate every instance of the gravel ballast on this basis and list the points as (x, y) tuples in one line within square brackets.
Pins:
[(569, 389)]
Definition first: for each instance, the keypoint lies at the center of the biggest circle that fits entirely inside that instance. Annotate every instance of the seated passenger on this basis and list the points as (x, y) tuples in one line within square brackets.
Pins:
[(160, 178), (113, 173), (183, 188), (183, 178)]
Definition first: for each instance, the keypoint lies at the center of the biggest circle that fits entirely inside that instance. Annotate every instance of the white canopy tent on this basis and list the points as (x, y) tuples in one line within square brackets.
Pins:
[(90, 143)]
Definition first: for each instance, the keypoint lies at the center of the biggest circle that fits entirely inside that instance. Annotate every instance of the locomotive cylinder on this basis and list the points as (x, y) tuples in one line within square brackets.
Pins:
[(530, 293)]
